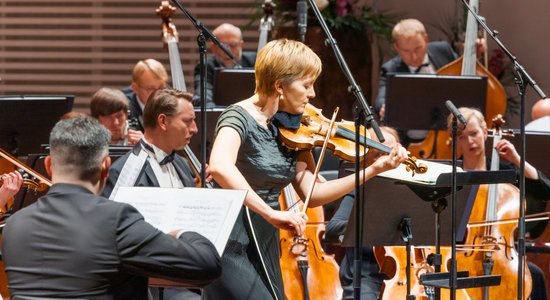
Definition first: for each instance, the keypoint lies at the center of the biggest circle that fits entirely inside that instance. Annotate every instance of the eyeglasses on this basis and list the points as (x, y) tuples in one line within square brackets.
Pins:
[(231, 45), (151, 89)]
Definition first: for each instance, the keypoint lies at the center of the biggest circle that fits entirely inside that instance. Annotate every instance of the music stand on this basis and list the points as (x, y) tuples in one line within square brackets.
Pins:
[(26, 121), (232, 85), (416, 101)]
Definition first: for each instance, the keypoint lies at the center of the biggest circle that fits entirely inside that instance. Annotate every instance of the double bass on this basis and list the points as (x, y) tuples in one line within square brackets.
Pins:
[(437, 143)]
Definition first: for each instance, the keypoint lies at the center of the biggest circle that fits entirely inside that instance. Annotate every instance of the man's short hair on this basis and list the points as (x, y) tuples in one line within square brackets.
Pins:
[(163, 101), (408, 28), (78, 146), (149, 65), (107, 101)]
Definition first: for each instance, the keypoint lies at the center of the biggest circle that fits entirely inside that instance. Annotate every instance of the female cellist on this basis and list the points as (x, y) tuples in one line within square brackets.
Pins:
[(471, 141), (247, 155)]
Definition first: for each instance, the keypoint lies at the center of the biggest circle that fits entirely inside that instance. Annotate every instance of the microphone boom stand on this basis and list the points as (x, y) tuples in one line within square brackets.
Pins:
[(522, 79), (369, 118), (203, 36)]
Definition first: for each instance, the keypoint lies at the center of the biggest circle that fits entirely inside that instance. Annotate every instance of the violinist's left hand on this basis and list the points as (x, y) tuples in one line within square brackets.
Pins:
[(507, 151), (391, 161), (207, 175), (11, 183)]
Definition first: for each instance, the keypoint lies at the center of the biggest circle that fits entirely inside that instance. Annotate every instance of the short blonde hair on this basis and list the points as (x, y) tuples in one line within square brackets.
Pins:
[(151, 65), (408, 28), (469, 113), (284, 60)]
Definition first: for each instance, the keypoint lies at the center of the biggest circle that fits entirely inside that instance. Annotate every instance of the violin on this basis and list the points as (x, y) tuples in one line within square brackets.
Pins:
[(313, 130)]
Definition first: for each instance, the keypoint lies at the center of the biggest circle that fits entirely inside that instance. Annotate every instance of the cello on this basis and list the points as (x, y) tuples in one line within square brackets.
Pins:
[(489, 246), (437, 143), (303, 261)]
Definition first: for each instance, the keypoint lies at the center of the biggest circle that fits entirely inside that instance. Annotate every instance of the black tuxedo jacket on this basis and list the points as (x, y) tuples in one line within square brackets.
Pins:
[(439, 53), (74, 244), (136, 112), (147, 176)]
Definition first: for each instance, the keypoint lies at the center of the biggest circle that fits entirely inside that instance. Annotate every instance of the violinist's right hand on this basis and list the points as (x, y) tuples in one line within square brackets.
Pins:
[(288, 221), (387, 162), (11, 183)]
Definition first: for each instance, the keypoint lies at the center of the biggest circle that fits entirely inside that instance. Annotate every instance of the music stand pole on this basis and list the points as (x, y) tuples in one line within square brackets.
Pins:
[(203, 36)]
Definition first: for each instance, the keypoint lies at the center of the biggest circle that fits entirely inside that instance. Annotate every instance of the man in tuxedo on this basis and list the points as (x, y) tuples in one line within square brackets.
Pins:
[(231, 36), (72, 243), (148, 75), (169, 121)]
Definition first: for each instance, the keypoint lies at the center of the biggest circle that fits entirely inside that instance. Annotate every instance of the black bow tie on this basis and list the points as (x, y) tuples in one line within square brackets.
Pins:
[(167, 159), (421, 66)]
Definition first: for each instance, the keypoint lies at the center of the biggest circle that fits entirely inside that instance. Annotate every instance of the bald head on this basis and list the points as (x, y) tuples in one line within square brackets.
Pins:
[(541, 109), (232, 38)]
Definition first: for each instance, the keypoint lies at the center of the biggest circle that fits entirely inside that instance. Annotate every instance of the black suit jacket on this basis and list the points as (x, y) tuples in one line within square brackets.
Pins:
[(74, 244), (147, 176), (136, 113), (439, 54), (248, 59)]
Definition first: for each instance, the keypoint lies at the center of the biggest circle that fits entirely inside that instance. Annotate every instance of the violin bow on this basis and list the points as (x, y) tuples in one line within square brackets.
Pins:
[(320, 160)]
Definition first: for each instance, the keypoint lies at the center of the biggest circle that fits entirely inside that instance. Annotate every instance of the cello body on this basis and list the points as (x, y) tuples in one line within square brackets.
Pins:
[(499, 245), (392, 262), (323, 272)]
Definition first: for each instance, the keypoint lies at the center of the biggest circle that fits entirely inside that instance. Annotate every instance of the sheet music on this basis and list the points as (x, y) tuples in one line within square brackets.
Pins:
[(210, 212), (130, 172), (429, 178)]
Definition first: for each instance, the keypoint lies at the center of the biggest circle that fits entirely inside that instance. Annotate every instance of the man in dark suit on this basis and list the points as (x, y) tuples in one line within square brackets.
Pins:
[(74, 244), (231, 36), (169, 121), (416, 55), (148, 75)]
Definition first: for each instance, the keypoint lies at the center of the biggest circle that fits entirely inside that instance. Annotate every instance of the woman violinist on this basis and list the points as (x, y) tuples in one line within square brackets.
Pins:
[(471, 141), (247, 155)]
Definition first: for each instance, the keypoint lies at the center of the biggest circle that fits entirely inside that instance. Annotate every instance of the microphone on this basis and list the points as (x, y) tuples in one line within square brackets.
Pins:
[(455, 112), (301, 15)]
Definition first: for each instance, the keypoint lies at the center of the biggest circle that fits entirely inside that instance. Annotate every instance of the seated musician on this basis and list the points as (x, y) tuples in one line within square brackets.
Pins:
[(371, 278), (471, 141), (75, 244), (169, 121), (11, 183), (148, 75), (110, 107), (231, 36)]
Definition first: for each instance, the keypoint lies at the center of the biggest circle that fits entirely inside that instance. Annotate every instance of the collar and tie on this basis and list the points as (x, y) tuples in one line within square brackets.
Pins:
[(167, 159), (420, 67)]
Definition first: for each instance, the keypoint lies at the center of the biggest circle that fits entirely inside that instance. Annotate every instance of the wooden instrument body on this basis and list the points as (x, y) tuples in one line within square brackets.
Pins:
[(323, 274)]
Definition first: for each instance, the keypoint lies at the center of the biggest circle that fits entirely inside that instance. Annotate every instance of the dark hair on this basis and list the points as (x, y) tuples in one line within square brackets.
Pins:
[(78, 146), (163, 101), (107, 101)]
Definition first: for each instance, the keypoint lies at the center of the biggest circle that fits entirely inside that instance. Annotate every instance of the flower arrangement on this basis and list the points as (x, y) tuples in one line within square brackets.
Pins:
[(343, 14)]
